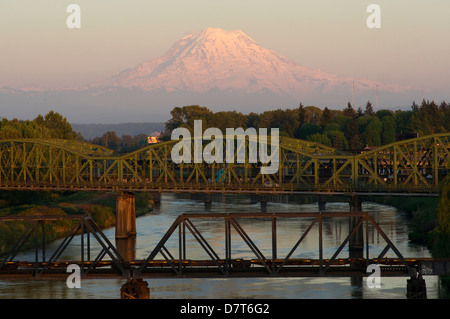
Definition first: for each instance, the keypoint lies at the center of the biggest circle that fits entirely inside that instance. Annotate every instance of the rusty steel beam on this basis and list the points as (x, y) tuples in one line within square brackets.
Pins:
[(271, 266), (82, 225), (214, 267)]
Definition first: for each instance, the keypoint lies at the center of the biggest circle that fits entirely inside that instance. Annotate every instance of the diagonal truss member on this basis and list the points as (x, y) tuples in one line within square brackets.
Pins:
[(35, 234), (225, 264)]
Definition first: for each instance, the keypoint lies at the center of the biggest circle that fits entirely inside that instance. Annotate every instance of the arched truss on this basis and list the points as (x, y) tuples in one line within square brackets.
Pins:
[(416, 165)]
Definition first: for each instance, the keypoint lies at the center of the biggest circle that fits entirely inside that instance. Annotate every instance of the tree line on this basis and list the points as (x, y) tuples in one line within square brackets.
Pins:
[(55, 126), (346, 129), (52, 125)]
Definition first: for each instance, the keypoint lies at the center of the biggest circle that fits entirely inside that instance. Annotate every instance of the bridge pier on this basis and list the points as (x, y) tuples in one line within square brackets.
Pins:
[(207, 199), (356, 243), (127, 247), (156, 198), (416, 288), (135, 289), (264, 200), (322, 203), (125, 215)]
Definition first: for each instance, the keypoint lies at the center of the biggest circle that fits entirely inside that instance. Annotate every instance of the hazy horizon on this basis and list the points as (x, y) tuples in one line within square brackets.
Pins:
[(410, 49)]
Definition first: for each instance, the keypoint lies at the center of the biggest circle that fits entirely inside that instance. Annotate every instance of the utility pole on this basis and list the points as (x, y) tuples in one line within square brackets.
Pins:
[(376, 98), (353, 94)]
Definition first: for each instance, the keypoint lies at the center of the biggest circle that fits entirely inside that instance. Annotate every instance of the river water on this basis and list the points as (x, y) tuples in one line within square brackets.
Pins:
[(151, 228)]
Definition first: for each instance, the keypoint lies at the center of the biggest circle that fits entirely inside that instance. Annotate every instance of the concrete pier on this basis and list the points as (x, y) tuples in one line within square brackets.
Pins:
[(416, 288), (127, 247), (357, 241), (135, 289), (156, 198), (322, 202), (125, 215)]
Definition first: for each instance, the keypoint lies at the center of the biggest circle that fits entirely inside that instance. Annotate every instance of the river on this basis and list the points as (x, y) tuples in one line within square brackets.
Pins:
[(151, 227)]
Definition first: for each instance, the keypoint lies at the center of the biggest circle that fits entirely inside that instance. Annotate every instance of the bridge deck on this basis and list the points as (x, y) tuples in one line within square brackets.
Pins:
[(343, 267)]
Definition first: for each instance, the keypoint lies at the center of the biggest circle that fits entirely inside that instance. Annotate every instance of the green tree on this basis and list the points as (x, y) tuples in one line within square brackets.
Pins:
[(326, 117), (349, 111), (285, 120), (441, 238), (431, 115), (186, 115), (332, 127), (359, 112), (352, 135), (382, 113), (388, 133), (223, 120), (9, 131), (57, 125), (373, 132), (338, 140), (320, 138), (252, 120), (444, 208), (369, 109), (403, 121), (312, 114), (109, 140), (301, 115), (306, 130)]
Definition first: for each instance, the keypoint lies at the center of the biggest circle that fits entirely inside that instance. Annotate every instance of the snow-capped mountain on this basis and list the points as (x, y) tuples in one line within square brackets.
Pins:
[(229, 61), (222, 70)]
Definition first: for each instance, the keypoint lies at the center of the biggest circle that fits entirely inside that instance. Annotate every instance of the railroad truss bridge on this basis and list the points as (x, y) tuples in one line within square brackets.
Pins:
[(412, 167)]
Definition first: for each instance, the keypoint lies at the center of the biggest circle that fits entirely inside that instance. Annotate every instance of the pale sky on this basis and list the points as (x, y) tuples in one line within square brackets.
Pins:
[(412, 46)]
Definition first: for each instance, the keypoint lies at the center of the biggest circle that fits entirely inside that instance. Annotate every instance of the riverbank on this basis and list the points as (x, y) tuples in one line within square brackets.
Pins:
[(429, 224), (100, 206), (423, 214)]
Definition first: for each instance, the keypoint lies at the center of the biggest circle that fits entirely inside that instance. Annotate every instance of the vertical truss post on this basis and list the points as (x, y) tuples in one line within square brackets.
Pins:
[(320, 218), (274, 242), (227, 243), (84, 224)]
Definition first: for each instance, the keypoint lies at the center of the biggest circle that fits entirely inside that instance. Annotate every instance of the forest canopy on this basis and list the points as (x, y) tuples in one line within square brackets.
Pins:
[(346, 129), (52, 125)]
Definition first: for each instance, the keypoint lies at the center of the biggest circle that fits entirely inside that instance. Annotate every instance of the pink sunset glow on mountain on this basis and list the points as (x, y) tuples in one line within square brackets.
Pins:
[(223, 70), (231, 61)]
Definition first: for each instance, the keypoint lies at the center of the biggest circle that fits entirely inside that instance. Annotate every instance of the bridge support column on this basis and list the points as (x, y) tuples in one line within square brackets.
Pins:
[(135, 289), (207, 199), (357, 241), (416, 288), (125, 215), (322, 203), (127, 247), (156, 198), (264, 200)]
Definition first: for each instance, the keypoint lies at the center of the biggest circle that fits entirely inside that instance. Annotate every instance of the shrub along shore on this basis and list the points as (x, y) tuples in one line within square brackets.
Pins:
[(100, 206)]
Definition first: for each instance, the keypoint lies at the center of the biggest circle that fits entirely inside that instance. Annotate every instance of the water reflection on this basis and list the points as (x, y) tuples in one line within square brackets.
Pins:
[(152, 227)]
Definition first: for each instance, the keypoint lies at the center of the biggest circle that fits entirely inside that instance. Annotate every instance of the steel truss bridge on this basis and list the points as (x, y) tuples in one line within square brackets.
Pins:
[(415, 166), (99, 258)]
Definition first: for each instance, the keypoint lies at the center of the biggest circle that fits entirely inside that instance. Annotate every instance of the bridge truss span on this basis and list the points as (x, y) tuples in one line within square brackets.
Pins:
[(266, 260), (411, 166)]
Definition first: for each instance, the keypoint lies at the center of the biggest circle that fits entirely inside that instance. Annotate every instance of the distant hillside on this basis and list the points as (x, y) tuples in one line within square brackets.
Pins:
[(90, 131)]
